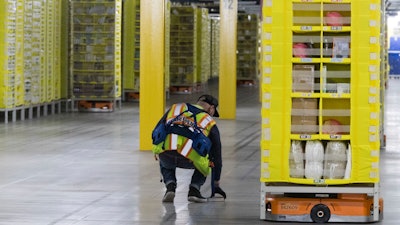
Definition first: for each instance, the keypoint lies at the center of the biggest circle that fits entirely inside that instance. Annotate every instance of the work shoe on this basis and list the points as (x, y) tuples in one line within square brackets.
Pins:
[(195, 196), (170, 193)]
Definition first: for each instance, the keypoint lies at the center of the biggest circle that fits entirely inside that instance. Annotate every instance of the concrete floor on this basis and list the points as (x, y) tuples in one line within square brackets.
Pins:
[(86, 169)]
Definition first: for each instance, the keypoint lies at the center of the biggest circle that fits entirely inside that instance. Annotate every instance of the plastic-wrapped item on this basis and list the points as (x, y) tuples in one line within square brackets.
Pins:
[(314, 151), (348, 165), (335, 160), (314, 154), (314, 170), (334, 170), (296, 159)]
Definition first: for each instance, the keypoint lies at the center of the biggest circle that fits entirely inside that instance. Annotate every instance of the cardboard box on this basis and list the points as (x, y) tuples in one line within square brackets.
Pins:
[(303, 78), (304, 116)]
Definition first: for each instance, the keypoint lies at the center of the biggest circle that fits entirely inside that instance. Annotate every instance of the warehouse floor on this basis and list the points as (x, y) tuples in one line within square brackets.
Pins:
[(86, 169)]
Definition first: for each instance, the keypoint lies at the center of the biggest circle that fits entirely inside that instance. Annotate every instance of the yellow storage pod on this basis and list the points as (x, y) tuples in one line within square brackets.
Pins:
[(214, 73), (95, 52), (30, 39), (247, 49), (320, 92), (51, 65), (34, 45), (203, 46), (183, 49), (11, 63), (131, 49)]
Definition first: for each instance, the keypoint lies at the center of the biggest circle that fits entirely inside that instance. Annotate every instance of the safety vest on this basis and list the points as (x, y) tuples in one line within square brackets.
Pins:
[(183, 144)]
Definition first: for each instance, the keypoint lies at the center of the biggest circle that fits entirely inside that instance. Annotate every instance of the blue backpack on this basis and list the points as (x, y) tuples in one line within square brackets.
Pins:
[(201, 143)]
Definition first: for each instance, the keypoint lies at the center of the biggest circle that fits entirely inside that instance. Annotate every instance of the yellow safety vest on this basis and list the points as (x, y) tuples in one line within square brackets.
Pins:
[(184, 145)]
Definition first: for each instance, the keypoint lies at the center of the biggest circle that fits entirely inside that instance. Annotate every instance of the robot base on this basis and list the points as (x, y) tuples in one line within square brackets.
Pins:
[(322, 208)]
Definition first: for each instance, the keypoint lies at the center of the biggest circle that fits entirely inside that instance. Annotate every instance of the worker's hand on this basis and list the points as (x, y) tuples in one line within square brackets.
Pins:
[(218, 190), (156, 157), (211, 164)]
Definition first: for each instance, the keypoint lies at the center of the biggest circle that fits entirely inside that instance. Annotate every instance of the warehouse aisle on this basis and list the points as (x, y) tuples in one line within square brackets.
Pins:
[(85, 169)]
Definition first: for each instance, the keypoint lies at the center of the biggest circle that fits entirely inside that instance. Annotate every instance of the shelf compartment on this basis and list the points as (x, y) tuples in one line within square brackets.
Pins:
[(337, 14), (336, 78), (304, 116), (335, 116), (335, 45), (320, 160), (305, 78), (306, 14), (307, 45)]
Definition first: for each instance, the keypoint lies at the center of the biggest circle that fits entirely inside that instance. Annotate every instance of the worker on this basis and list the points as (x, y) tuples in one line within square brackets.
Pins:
[(187, 137)]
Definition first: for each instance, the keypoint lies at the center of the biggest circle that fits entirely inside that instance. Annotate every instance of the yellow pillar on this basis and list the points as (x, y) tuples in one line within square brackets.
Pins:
[(152, 93), (227, 71)]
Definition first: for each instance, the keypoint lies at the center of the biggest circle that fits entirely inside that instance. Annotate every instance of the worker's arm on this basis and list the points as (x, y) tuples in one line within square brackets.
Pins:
[(216, 158)]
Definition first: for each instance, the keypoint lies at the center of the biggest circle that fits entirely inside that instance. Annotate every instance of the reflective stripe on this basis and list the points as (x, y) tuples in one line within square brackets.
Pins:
[(187, 147), (178, 109), (205, 121), (174, 142)]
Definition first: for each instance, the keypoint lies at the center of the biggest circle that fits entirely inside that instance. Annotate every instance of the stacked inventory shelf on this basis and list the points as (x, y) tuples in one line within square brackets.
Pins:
[(167, 41), (55, 48), (183, 51), (136, 62), (247, 49), (95, 57), (131, 50), (320, 99), (10, 33), (214, 47), (31, 71), (204, 45)]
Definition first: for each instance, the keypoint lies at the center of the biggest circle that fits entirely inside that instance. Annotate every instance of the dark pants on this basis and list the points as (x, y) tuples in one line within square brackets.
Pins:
[(170, 160)]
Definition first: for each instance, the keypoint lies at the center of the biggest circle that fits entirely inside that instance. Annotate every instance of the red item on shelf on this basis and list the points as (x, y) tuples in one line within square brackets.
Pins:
[(300, 50), (334, 19), (331, 126)]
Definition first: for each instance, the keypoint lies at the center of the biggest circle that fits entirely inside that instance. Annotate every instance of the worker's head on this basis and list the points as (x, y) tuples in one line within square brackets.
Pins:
[(209, 103)]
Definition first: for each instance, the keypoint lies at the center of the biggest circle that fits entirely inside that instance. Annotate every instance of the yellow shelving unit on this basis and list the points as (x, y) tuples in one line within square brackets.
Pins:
[(183, 49), (167, 33), (31, 58), (11, 79), (37, 71), (204, 45), (95, 57), (320, 88), (136, 61), (56, 61), (131, 49), (247, 49), (52, 45), (188, 48), (214, 47)]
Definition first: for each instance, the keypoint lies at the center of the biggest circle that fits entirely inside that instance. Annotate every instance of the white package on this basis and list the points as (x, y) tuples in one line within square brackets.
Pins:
[(314, 154), (296, 159)]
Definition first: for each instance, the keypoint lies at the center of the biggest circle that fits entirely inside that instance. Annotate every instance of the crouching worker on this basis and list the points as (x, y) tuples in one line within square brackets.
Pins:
[(187, 137)]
